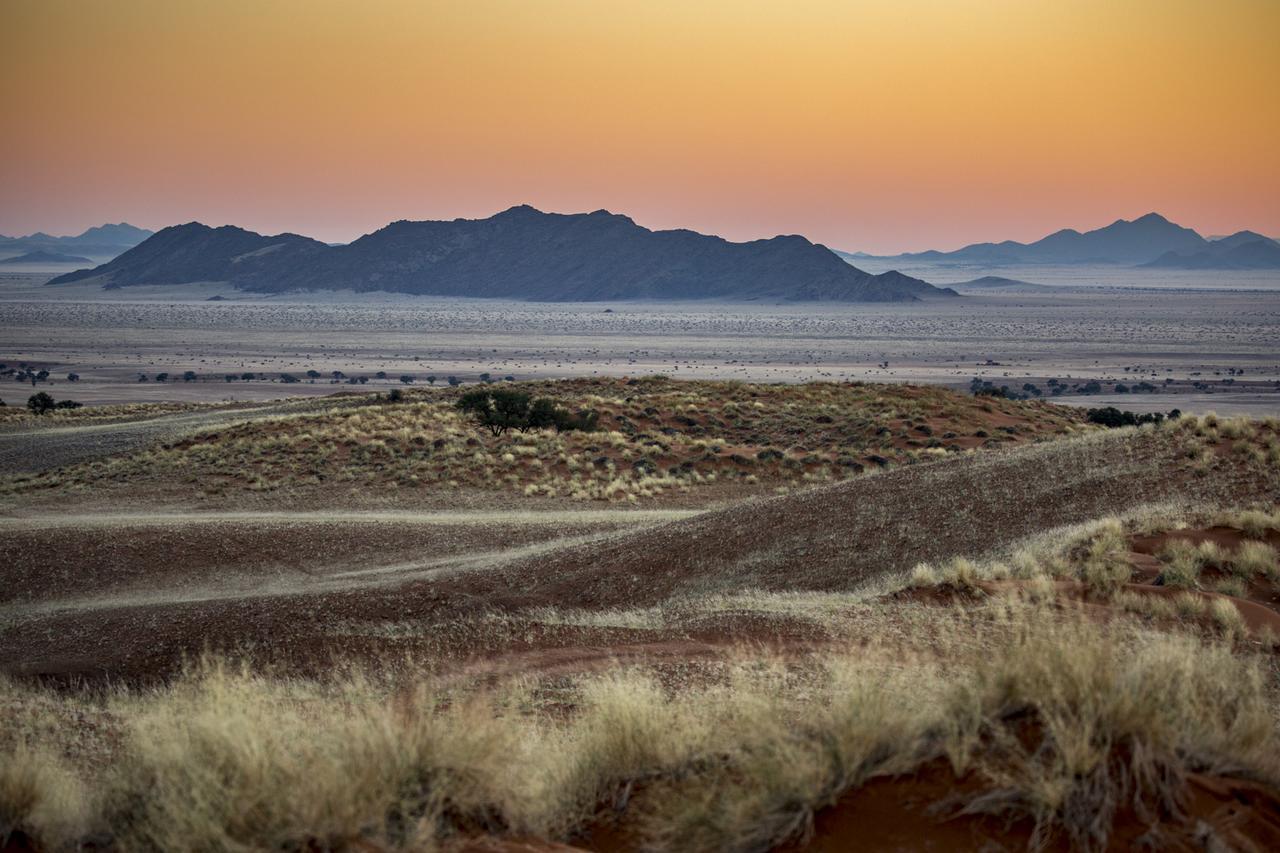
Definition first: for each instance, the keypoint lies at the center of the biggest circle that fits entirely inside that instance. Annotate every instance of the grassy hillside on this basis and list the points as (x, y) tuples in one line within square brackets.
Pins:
[(655, 437)]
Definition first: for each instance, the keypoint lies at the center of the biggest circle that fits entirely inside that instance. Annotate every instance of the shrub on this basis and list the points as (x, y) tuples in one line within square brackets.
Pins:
[(1112, 417), (40, 403)]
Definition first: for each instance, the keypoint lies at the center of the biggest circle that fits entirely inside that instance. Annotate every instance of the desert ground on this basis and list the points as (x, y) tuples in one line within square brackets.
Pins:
[(732, 616), (1207, 344), (773, 577)]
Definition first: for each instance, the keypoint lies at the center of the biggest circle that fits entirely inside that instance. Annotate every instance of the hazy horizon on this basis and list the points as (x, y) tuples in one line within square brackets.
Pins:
[(882, 128)]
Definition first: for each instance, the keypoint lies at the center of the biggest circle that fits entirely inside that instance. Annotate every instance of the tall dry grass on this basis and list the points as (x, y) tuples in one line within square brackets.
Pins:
[(1072, 722)]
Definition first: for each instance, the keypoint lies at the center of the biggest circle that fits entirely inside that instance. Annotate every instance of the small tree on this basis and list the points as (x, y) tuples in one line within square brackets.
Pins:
[(454, 381), (407, 378), (497, 411), (162, 377), (189, 376), (431, 380), (40, 403), (73, 377), (543, 413)]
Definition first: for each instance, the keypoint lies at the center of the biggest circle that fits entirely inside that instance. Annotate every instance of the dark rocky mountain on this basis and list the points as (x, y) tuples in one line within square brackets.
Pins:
[(42, 257), (521, 253), (1122, 242), (102, 241), (184, 254), (1244, 250)]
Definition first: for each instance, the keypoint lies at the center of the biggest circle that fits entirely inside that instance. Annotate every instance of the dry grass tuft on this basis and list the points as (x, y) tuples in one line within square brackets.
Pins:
[(1105, 565), (40, 799), (1071, 722)]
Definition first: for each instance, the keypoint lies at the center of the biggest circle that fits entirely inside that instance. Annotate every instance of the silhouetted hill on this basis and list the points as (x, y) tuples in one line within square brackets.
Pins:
[(101, 241), (1240, 238), (1244, 250), (521, 253), (182, 254), (46, 258), (1122, 242)]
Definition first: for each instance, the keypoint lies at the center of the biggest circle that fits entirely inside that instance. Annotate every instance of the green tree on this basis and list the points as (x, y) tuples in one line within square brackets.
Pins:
[(497, 410)]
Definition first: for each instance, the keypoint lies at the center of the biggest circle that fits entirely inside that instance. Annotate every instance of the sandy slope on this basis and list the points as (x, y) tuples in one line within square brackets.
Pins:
[(842, 537)]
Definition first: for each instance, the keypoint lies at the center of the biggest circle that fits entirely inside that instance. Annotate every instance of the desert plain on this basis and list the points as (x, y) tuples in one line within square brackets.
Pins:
[(792, 585)]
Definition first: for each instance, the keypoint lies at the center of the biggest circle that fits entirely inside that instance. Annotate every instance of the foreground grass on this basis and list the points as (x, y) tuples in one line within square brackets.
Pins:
[(1074, 722)]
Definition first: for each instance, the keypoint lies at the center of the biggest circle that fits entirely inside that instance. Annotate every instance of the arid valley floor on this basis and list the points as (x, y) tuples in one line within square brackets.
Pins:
[(799, 588)]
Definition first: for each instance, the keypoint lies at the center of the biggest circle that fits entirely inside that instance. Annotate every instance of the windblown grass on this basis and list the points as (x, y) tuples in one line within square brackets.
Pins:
[(1070, 723)]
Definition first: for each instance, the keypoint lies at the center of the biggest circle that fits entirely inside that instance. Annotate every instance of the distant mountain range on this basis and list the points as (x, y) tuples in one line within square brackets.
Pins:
[(1150, 240), (103, 241), (42, 257), (1244, 250), (521, 253)]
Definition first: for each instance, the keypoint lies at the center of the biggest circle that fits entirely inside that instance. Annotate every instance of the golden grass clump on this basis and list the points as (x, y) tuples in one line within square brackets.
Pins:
[(1071, 722), (40, 799), (1256, 558), (1182, 563), (1105, 565)]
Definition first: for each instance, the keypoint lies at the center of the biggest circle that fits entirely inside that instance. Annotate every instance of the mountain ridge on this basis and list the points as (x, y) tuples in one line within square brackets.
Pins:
[(1136, 242), (108, 240), (519, 253), (1244, 250)]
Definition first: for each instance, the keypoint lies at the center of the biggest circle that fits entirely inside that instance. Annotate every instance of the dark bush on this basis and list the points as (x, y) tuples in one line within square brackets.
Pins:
[(1111, 417), (497, 410), (40, 403), (501, 409)]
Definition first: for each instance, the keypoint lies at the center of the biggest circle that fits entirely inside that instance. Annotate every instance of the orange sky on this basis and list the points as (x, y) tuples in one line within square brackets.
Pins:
[(880, 125)]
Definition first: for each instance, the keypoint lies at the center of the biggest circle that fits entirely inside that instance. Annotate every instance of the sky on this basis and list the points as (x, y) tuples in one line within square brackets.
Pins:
[(876, 125)]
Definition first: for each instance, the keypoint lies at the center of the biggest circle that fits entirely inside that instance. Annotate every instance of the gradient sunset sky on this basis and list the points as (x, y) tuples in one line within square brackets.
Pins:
[(882, 126)]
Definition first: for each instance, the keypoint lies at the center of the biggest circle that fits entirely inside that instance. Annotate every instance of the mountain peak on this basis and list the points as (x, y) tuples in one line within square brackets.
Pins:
[(532, 255)]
